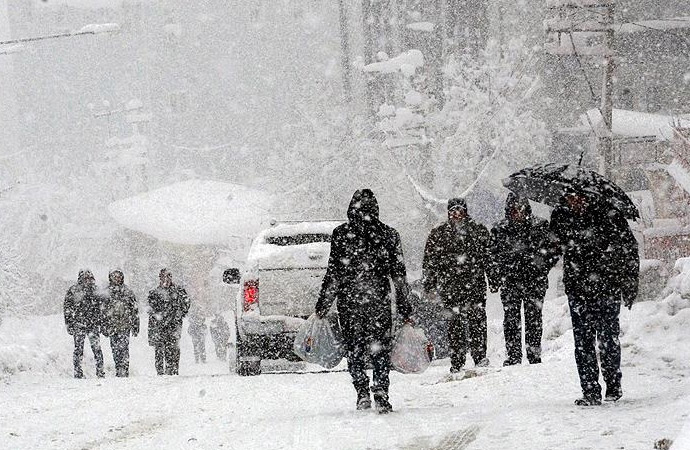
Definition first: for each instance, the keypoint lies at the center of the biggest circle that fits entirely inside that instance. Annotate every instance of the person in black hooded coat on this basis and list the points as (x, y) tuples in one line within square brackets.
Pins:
[(83, 309), (522, 254), (365, 256), (600, 270)]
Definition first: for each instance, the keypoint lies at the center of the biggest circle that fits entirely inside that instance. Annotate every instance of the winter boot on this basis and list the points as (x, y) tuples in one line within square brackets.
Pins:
[(484, 362), (613, 394), (383, 406), (454, 369), (363, 400), (511, 362), (588, 401)]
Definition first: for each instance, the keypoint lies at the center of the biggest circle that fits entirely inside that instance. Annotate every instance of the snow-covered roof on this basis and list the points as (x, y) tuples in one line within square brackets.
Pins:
[(680, 174), (658, 24), (195, 212), (636, 124)]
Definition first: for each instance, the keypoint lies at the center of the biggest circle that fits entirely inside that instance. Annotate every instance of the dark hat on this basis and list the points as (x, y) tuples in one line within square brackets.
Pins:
[(457, 203)]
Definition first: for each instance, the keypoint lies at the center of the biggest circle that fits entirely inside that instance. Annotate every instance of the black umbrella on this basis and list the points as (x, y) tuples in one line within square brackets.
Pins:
[(547, 183)]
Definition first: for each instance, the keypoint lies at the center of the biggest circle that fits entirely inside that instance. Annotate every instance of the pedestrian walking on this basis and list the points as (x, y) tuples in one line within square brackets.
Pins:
[(366, 255), (121, 319), (456, 258), (168, 305), (83, 318), (220, 334), (600, 270), (197, 330), (522, 254)]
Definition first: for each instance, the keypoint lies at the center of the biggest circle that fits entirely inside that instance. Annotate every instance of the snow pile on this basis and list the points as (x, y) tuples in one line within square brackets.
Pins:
[(407, 63), (426, 27)]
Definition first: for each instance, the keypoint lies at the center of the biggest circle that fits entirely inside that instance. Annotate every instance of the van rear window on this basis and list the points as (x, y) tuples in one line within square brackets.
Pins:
[(298, 239)]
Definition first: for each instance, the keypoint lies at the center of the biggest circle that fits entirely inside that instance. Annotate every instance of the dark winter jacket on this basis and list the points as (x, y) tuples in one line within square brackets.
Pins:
[(522, 252), (365, 256), (83, 306), (599, 252), (456, 258), (167, 307), (121, 311)]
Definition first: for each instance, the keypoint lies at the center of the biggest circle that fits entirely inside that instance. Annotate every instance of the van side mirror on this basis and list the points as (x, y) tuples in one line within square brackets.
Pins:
[(231, 276)]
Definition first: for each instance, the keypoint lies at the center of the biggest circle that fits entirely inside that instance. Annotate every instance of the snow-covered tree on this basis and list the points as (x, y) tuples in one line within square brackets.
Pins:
[(487, 127)]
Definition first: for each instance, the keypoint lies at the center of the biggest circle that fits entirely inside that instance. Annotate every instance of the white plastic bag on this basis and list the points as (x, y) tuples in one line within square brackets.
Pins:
[(320, 343), (412, 350)]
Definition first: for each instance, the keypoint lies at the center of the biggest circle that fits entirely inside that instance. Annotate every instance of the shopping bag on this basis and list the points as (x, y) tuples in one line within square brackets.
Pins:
[(319, 342), (412, 351)]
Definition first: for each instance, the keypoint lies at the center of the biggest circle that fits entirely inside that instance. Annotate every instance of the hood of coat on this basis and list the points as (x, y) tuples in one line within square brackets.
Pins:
[(514, 202), (116, 278), (363, 209), (85, 277)]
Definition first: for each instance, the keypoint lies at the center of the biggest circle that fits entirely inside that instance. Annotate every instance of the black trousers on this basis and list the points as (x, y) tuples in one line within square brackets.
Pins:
[(514, 299), (367, 335), (119, 343), (168, 356), (378, 351), (199, 349), (95, 341), (467, 331), (595, 320)]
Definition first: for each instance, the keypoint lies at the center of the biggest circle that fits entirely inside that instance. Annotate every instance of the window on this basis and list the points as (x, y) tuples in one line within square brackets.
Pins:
[(298, 239)]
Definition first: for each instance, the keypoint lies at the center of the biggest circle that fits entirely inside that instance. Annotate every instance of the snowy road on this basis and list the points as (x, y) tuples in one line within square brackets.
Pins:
[(524, 407), (519, 408)]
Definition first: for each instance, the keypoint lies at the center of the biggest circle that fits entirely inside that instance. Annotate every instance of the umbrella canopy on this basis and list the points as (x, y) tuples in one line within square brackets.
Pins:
[(547, 183)]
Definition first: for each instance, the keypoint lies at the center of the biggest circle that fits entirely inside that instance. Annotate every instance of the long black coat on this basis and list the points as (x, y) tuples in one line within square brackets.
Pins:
[(456, 258), (365, 256), (83, 308), (522, 252), (600, 252), (167, 309)]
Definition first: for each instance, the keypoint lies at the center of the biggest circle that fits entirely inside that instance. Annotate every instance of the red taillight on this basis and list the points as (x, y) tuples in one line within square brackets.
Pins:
[(251, 295)]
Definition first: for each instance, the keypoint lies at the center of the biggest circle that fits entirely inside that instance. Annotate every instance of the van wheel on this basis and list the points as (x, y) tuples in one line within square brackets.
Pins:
[(244, 368), (248, 368)]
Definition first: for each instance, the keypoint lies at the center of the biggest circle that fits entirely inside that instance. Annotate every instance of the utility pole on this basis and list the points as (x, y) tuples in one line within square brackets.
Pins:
[(579, 18), (606, 141), (345, 50)]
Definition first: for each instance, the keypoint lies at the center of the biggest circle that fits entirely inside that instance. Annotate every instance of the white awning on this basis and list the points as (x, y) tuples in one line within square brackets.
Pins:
[(196, 212)]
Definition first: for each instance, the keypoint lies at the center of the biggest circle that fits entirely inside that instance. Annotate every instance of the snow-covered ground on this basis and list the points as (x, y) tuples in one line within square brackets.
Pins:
[(523, 407)]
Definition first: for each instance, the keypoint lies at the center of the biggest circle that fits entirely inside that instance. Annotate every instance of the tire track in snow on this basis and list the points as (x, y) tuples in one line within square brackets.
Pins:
[(133, 430), (456, 440)]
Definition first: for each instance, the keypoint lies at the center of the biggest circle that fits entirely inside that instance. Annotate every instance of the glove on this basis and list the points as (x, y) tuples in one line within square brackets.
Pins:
[(409, 322), (70, 329), (628, 302)]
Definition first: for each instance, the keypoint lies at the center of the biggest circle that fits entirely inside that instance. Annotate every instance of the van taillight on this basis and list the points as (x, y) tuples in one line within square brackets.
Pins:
[(251, 295)]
